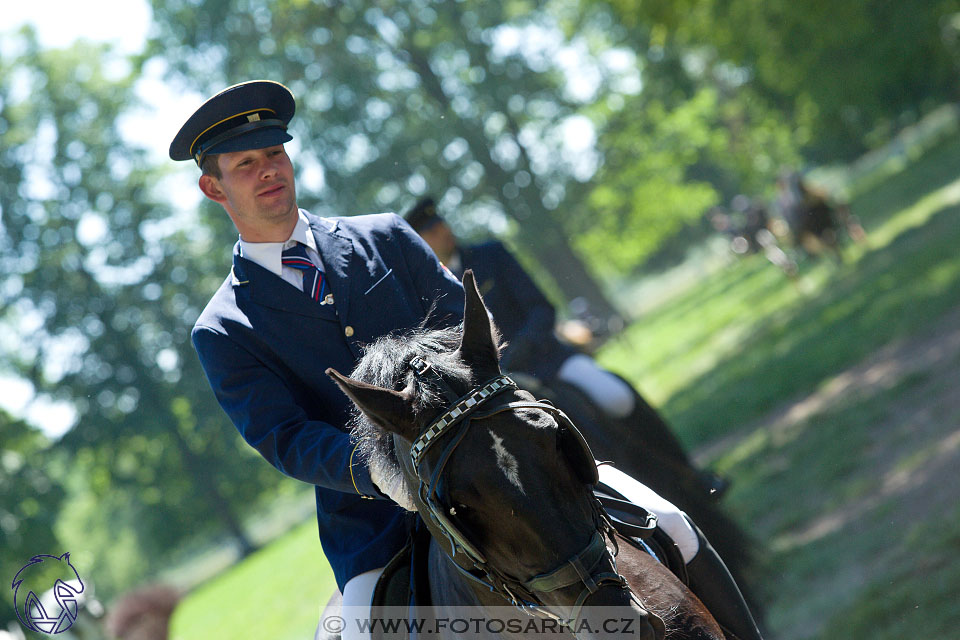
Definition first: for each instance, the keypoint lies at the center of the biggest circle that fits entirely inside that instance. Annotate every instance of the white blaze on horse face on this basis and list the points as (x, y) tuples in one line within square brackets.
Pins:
[(507, 462)]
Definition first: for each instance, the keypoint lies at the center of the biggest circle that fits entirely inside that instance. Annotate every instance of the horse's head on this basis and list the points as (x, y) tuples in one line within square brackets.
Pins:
[(504, 481)]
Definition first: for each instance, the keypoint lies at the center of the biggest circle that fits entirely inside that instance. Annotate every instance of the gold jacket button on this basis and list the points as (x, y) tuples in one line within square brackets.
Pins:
[(348, 331)]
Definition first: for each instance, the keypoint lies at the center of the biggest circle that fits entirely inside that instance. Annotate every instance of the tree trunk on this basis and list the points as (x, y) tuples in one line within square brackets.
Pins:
[(208, 490), (542, 235)]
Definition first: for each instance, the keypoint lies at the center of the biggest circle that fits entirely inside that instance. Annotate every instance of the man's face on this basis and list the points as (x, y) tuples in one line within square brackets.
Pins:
[(441, 240), (257, 187)]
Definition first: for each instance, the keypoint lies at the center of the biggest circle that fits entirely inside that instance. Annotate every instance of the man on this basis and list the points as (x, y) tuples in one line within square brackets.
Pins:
[(303, 295), (526, 321), (264, 342)]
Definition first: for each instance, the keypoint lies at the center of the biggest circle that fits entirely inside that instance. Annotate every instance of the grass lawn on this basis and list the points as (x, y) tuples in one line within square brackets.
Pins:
[(275, 593), (744, 339), (834, 405), (827, 400)]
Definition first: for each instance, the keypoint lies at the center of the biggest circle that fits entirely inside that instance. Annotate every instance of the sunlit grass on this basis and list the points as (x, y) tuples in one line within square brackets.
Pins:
[(275, 593), (825, 490), (750, 339)]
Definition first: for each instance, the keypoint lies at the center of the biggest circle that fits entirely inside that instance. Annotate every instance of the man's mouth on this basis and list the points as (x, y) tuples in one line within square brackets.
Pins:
[(272, 191)]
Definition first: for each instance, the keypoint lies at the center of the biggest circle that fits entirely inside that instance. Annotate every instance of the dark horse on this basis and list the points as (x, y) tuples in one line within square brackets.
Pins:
[(817, 224), (505, 483)]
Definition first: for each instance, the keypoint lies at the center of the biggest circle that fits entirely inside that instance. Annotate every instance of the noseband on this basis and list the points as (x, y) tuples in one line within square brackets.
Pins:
[(469, 560)]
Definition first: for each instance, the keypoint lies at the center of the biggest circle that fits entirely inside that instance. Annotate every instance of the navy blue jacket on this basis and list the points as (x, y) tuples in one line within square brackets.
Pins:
[(523, 314), (264, 346)]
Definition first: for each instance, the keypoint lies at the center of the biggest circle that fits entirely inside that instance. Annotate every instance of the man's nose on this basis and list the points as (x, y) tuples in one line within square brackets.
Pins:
[(268, 168)]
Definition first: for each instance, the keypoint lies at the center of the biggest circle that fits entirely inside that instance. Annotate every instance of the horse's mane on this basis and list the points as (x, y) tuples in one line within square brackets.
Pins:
[(385, 363)]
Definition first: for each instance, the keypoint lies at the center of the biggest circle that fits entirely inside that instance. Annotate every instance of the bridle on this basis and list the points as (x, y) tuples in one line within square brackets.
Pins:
[(468, 559)]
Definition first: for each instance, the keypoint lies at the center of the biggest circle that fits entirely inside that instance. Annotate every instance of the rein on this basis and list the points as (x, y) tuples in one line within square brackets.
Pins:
[(523, 594)]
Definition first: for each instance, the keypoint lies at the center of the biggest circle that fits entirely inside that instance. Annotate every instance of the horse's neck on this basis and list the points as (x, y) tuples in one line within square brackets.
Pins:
[(662, 593)]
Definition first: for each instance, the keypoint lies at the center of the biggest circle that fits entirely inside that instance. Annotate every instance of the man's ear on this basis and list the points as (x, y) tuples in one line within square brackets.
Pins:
[(210, 187)]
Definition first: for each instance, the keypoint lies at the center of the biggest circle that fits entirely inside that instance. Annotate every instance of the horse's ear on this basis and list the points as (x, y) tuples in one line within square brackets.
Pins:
[(479, 344), (388, 409)]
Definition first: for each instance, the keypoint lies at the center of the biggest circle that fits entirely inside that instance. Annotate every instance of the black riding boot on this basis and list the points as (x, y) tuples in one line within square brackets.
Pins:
[(711, 581)]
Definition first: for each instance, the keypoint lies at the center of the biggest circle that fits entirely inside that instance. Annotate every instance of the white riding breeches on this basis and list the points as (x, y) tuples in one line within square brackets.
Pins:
[(355, 610), (672, 520), (607, 391)]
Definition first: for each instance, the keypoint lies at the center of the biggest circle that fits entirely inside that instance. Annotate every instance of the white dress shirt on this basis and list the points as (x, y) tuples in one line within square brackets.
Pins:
[(269, 254)]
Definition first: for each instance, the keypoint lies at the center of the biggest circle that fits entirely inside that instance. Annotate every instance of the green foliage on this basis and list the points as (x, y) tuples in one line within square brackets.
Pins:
[(851, 72), (666, 164), (30, 498), (102, 292), (402, 99)]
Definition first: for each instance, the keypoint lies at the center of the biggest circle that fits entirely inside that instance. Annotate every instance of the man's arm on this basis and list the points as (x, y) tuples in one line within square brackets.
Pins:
[(266, 414)]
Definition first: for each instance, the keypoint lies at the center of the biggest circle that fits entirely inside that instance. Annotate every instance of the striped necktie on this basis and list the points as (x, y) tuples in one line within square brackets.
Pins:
[(314, 284)]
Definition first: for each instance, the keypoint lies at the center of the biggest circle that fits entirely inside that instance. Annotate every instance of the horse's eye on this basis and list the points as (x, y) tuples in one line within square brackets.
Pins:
[(458, 509)]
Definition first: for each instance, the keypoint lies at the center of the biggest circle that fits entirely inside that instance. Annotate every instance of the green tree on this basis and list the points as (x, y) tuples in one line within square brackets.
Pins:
[(850, 72), (399, 99), (695, 135), (30, 498), (102, 285)]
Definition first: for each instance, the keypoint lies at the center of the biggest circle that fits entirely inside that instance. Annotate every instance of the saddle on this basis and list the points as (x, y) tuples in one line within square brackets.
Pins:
[(405, 580), (638, 527)]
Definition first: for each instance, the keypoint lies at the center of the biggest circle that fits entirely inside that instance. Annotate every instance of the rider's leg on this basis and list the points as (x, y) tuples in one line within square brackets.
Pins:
[(708, 575), (669, 518), (331, 611), (711, 581), (357, 598)]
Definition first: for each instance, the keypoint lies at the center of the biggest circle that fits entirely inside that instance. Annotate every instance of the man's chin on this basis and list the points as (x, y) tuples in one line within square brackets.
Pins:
[(280, 209)]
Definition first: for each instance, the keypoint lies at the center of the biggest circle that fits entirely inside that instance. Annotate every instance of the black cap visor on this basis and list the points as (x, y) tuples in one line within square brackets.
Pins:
[(265, 135), (249, 115)]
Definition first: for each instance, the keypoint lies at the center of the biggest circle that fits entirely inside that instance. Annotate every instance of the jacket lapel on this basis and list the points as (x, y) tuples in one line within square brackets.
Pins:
[(336, 251), (267, 289)]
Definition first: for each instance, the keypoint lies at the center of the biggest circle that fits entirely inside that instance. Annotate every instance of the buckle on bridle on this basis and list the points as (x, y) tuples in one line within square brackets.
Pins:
[(419, 365)]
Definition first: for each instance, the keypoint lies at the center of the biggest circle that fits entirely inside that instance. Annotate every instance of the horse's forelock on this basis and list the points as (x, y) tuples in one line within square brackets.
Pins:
[(385, 363)]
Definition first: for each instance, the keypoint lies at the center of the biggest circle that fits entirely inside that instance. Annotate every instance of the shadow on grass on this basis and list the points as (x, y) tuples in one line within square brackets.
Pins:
[(937, 168), (760, 279), (917, 598), (859, 505)]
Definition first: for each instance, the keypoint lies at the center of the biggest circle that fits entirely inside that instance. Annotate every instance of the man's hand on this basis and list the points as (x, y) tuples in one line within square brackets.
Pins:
[(391, 484)]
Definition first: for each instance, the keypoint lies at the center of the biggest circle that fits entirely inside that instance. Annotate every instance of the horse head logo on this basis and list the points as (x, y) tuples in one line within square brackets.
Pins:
[(41, 574)]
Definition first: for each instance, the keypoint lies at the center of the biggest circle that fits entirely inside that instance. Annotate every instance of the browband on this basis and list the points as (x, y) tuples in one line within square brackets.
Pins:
[(463, 407)]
